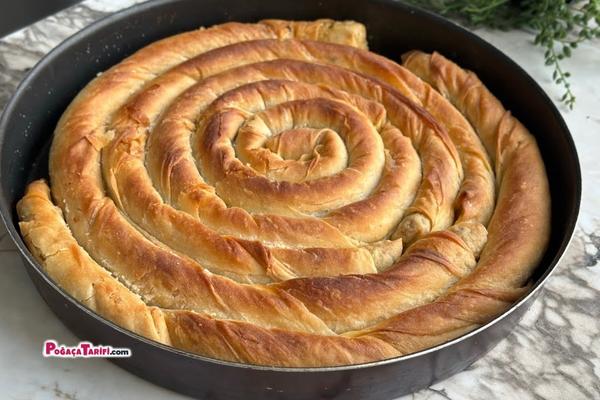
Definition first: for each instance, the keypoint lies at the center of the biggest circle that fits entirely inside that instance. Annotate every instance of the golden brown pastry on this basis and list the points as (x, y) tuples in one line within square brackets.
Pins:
[(275, 194)]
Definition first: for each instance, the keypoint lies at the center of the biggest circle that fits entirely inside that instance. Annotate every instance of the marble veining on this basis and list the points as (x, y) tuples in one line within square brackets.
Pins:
[(554, 353)]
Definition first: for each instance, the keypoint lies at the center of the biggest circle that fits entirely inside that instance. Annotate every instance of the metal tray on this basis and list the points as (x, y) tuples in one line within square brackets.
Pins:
[(29, 119)]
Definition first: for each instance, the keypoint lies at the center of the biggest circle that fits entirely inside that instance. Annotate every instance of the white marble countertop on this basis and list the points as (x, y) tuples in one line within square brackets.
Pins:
[(554, 353)]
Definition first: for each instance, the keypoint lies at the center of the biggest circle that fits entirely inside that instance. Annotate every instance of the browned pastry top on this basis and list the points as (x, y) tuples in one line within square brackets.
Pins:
[(276, 194)]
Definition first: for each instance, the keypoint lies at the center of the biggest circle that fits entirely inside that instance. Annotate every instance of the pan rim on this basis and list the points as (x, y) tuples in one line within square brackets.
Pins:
[(6, 209)]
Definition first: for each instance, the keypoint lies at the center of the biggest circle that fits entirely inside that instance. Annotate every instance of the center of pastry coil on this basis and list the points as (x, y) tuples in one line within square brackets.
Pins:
[(315, 152), (239, 185)]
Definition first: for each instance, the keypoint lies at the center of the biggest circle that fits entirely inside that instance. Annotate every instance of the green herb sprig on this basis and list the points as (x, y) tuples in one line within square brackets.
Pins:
[(558, 27)]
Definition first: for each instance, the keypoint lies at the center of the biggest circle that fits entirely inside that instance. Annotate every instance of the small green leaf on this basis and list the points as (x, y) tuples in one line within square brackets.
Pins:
[(558, 26)]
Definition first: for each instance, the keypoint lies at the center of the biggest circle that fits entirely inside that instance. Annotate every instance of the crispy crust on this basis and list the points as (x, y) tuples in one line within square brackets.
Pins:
[(520, 226), (231, 191)]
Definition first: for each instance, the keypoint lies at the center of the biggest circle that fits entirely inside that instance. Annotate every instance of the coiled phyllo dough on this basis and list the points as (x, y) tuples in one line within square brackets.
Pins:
[(276, 194)]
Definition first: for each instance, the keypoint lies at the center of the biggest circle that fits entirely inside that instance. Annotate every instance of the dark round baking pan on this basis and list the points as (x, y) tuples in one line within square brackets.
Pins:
[(29, 119)]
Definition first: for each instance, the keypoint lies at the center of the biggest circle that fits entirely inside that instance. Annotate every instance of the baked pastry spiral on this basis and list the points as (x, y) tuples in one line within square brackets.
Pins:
[(276, 194)]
